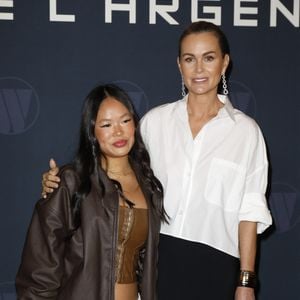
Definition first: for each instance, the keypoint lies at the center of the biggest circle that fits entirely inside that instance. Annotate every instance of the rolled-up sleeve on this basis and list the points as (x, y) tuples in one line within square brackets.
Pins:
[(254, 206)]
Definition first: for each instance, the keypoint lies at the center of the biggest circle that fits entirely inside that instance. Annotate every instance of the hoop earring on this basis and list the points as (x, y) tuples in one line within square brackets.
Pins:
[(224, 85), (183, 93)]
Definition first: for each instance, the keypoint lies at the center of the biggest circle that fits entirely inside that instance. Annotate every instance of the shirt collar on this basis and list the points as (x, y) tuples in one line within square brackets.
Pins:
[(227, 109)]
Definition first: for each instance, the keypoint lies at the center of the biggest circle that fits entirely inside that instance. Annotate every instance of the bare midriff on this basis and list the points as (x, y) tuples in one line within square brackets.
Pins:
[(126, 291)]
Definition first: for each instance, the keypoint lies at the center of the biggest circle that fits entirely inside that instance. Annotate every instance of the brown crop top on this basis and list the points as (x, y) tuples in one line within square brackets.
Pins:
[(132, 235)]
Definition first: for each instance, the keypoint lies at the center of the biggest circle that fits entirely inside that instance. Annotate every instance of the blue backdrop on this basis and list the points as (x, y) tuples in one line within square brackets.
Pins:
[(52, 52)]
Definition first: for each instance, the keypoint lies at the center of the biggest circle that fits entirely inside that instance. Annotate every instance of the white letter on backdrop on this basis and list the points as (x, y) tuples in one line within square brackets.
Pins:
[(131, 7), (163, 11), (238, 11), (6, 15), (292, 17), (216, 10), (54, 17)]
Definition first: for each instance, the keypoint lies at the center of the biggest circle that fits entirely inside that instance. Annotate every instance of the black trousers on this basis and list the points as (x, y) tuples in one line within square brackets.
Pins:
[(194, 271)]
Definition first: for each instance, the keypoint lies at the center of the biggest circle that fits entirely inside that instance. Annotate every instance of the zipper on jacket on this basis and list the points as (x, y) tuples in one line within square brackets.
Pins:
[(114, 248)]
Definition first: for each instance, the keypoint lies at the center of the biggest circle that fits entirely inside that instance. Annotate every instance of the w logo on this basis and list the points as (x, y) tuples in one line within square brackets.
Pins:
[(285, 207), (136, 94), (242, 98), (19, 106)]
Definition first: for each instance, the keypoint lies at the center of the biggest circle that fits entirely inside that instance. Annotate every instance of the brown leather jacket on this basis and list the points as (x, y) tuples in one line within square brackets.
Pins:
[(81, 267)]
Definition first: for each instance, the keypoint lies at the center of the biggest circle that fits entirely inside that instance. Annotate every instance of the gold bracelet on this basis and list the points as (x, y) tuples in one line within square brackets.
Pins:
[(247, 279)]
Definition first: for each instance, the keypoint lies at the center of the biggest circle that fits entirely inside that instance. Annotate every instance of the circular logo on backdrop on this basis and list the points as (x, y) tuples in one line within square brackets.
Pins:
[(242, 98), (19, 106), (136, 94), (284, 204)]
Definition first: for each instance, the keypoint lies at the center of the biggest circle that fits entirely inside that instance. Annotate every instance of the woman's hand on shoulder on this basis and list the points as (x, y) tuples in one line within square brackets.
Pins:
[(50, 180)]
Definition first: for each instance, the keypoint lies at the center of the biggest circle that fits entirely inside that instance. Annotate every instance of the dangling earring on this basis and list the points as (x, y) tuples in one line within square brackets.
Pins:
[(224, 85), (183, 93), (94, 151)]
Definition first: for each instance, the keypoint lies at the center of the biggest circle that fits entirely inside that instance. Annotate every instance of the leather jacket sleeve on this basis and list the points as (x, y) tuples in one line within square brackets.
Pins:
[(41, 270)]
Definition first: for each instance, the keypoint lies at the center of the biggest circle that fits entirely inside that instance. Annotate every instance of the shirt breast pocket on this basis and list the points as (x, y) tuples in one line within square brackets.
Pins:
[(225, 184)]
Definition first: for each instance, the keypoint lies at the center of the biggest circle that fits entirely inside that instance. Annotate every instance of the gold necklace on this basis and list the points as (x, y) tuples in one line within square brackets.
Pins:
[(120, 173)]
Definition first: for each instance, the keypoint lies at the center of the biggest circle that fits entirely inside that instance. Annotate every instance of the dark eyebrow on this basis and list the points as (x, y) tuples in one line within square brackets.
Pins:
[(209, 52), (128, 114), (187, 54), (205, 53)]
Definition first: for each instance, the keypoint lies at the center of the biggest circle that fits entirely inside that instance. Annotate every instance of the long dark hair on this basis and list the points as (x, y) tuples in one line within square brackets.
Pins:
[(87, 159)]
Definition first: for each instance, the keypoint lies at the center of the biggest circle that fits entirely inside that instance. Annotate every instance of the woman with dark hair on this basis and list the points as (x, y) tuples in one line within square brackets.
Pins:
[(96, 236), (214, 182), (211, 160)]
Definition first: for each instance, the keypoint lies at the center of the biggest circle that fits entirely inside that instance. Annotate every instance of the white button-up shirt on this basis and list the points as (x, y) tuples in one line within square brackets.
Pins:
[(212, 181)]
